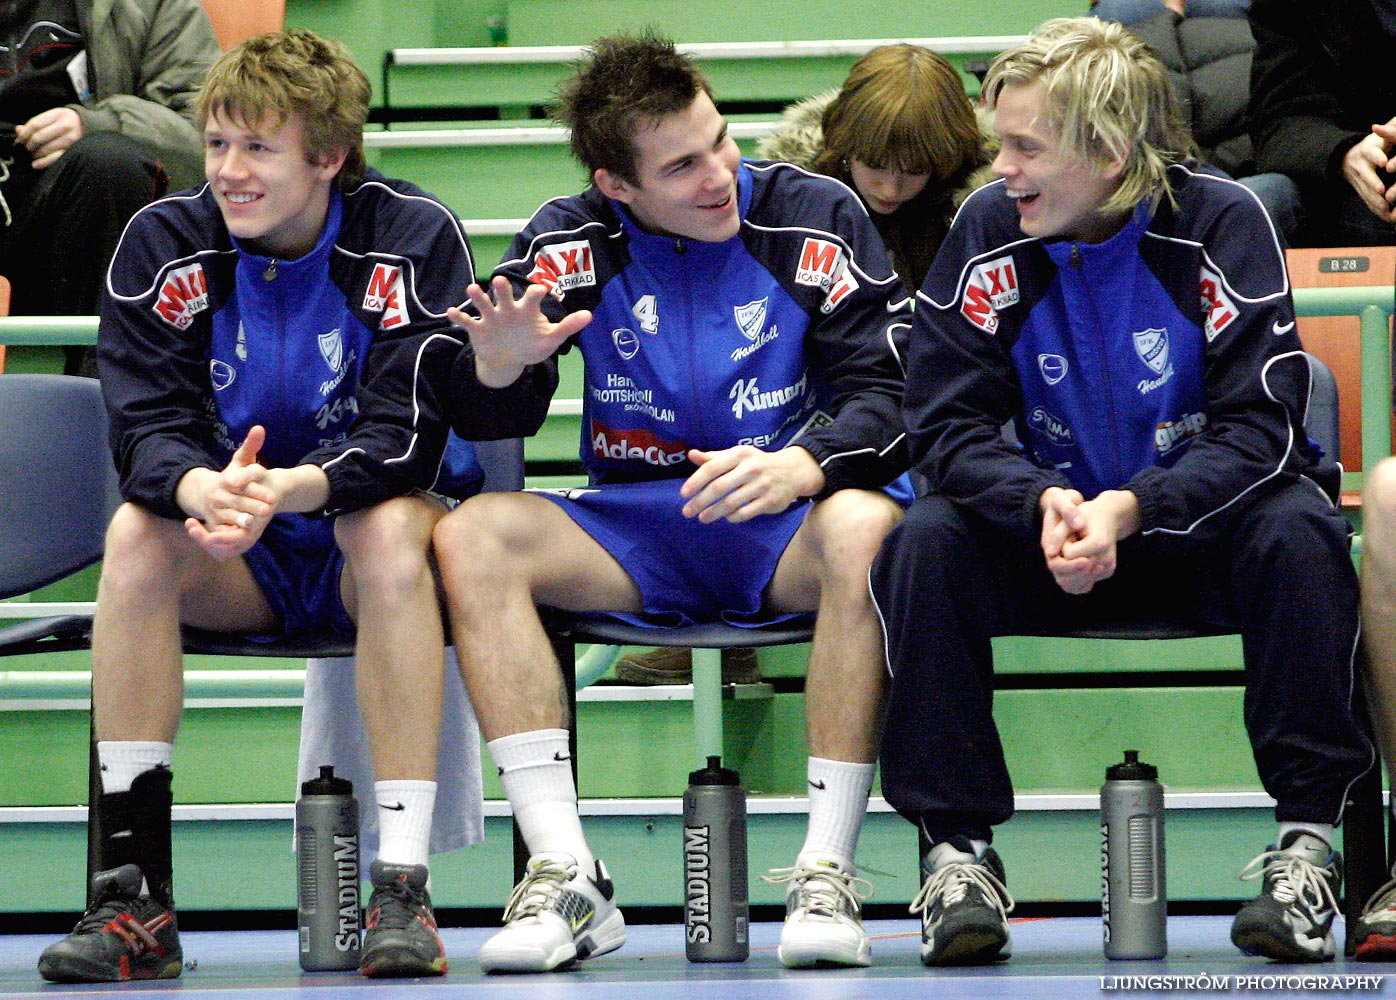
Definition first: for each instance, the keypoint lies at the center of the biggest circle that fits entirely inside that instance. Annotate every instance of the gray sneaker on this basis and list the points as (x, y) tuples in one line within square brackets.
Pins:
[(964, 905), (1292, 918), (126, 935), (400, 937)]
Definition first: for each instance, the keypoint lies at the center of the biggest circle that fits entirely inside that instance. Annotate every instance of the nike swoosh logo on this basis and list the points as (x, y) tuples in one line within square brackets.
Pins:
[(1280, 329), (817, 784), (562, 756), (397, 808), (577, 923)]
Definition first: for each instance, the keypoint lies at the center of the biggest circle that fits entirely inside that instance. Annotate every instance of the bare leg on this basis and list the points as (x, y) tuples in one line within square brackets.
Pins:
[(500, 555), (390, 592), (825, 567), (153, 577), (1379, 602)]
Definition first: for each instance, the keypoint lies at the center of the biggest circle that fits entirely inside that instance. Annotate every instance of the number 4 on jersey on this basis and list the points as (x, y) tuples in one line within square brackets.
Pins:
[(646, 313)]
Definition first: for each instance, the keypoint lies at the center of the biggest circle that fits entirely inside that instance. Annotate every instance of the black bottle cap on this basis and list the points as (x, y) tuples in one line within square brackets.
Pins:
[(1131, 769), (714, 774), (327, 784)]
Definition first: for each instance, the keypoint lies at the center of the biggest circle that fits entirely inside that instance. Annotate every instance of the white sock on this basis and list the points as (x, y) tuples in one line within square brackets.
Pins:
[(1323, 831), (536, 771), (838, 801), (122, 760), (404, 820)]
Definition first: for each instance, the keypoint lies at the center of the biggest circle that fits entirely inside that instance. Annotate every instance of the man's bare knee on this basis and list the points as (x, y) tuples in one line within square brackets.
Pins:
[(385, 546), (852, 525), (485, 536), (143, 549)]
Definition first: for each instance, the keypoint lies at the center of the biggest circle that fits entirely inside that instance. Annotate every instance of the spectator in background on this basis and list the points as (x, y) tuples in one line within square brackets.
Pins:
[(1323, 93), (1206, 47), (96, 120), (901, 133), (1128, 12)]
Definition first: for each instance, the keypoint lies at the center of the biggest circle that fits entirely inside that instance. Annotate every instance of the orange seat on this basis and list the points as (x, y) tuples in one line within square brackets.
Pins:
[(4, 311), (1337, 339), (235, 21)]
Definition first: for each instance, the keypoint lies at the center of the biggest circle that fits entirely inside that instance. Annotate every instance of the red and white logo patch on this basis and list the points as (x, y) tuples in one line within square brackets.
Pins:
[(387, 295), (1218, 309), (992, 285), (184, 293), (635, 445), (823, 264), (560, 267)]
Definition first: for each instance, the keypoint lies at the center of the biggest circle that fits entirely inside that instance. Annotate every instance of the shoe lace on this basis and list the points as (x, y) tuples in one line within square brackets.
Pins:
[(398, 904), (540, 886), (1292, 879), (105, 916), (101, 913), (823, 890), (1383, 900), (952, 882)]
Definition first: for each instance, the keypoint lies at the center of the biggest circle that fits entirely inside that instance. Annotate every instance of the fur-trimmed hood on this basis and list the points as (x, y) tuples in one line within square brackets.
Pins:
[(798, 138)]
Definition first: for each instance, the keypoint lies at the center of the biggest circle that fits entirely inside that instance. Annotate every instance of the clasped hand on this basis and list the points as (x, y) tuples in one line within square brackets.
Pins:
[(1079, 536), (1369, 165), (235, 505)]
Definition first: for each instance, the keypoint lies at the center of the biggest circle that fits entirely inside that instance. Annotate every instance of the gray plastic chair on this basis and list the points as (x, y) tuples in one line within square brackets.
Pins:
[(57, 492)]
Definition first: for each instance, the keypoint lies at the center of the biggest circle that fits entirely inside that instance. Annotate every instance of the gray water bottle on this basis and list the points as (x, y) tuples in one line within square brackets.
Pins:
[(328, 917), (1134, 900), (714, 866)]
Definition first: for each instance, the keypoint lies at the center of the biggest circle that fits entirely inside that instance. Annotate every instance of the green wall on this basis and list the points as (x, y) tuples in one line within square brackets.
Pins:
[(372, 27)]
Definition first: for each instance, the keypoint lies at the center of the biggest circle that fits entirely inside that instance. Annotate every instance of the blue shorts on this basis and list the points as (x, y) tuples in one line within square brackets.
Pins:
[(688, 572), (298, 565)]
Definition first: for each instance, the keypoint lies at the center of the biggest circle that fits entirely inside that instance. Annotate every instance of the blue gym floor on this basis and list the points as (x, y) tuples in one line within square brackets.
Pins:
[(1052, 958)]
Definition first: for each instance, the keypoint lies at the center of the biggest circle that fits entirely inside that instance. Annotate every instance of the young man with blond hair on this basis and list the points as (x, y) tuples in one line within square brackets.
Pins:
[(271, 349), (739, 324), (1129, 311)]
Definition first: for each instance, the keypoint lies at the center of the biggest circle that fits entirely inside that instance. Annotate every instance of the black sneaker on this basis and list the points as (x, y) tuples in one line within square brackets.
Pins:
[(123, 936), (401, 938), (964, 905), (1292, 918), (1375, 930)]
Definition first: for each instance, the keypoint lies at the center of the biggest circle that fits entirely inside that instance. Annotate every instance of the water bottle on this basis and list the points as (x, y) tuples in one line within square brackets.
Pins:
[(328, 918), (714, 866), (1134, 901)]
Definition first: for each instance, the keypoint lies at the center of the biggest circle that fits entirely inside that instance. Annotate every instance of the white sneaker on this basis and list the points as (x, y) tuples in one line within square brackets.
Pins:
[(823, 922), (556, 916)]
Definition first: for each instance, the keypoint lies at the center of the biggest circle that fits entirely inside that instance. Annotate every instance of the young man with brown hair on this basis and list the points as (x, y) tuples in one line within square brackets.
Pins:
[(739, 324), (271, 348)]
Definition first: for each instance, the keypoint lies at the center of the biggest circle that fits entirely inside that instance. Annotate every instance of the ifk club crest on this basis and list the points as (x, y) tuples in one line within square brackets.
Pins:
[(1152, 347)]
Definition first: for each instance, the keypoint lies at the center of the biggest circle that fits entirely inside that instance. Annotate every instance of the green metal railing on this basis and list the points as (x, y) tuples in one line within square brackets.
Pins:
[(1373, 306)]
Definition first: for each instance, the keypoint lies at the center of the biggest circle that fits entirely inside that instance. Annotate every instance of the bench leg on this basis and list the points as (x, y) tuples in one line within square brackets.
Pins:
[(707, 705), (94, 824), (1364, 849)]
